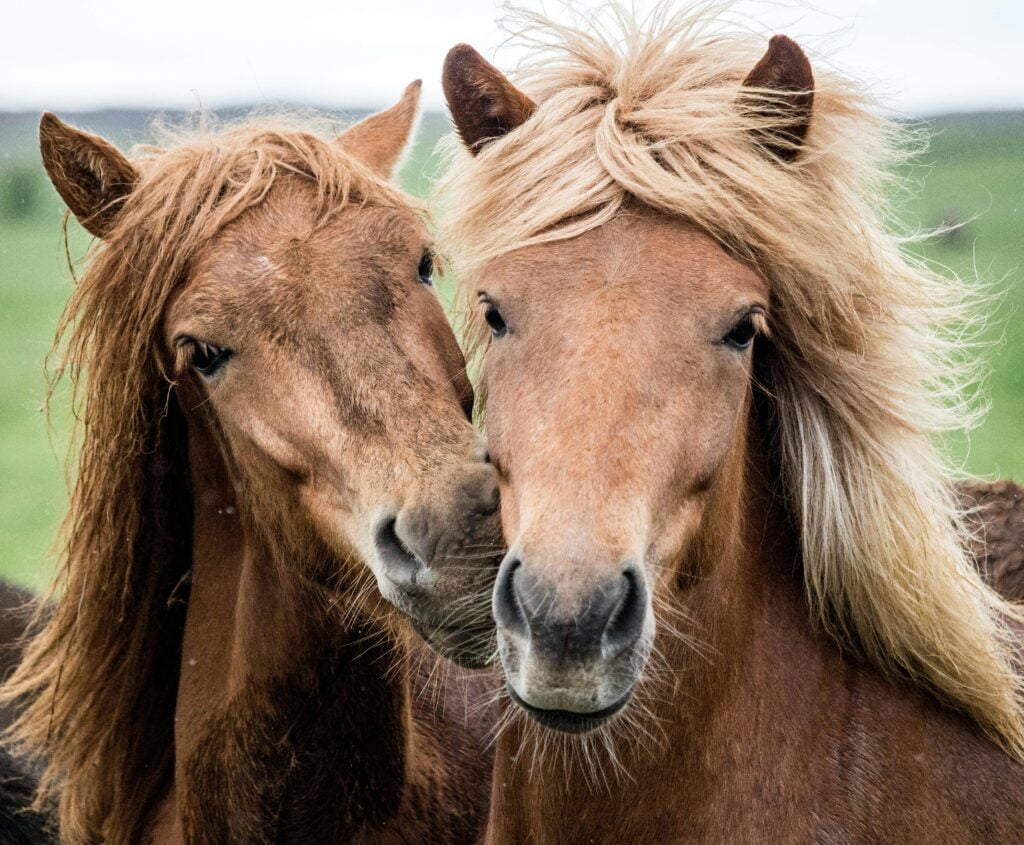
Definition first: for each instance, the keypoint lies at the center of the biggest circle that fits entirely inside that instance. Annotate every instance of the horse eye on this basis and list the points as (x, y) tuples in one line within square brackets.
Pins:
[(495, 321), (425, 272), (742, 334), (206, 358)]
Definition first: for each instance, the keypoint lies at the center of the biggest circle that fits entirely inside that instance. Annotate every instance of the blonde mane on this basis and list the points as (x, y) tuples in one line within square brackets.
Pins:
[(99, 679), (868, 362)]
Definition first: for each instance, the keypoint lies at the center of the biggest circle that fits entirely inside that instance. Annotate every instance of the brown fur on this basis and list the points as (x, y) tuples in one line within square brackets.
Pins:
[(997, 515), (767, 734), (749, 724), (377, 142), (473, 87), (306, 713), (780, 688), (217, 619), (868, 364), (783, 70), (90, 172)]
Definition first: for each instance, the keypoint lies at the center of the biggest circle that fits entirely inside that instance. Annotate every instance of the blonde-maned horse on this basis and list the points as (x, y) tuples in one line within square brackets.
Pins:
[(737, 569), (275, 433)]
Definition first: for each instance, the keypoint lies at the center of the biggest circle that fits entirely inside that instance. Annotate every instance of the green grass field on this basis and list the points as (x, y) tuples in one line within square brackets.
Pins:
[(973, 171)]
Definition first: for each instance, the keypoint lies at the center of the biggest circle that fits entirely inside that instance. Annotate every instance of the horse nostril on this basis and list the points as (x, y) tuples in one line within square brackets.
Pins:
[(627, 617), (508, 612), (401, 566)]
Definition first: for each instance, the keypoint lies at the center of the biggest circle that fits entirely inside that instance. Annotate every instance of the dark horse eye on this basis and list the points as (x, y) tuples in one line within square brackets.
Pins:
[(207, 358), (742, 334), (425, 272), (493, 317)]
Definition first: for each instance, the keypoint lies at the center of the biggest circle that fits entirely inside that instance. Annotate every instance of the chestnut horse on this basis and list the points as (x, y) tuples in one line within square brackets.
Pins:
[(275, 424), (712, 376)]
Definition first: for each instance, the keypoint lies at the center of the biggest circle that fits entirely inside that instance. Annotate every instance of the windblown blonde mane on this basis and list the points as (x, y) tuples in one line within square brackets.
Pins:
[(868, 365), (99, 680)]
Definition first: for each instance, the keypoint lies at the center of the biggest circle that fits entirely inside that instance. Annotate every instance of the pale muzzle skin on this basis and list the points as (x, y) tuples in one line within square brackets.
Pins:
[(617, 381)]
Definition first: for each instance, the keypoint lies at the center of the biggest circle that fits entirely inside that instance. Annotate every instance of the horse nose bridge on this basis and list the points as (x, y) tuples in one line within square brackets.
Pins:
[(478, 490), (581, 516), (445, 455), (456, 515)]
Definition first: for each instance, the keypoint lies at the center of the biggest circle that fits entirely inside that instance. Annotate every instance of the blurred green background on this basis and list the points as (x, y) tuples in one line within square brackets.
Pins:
[(973, 172)]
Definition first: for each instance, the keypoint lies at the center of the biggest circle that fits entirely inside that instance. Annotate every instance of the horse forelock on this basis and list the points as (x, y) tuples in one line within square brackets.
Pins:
[(869, 357)]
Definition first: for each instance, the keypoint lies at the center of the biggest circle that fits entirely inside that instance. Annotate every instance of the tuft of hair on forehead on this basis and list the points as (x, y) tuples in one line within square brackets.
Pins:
[(869, 343), (225, 169)]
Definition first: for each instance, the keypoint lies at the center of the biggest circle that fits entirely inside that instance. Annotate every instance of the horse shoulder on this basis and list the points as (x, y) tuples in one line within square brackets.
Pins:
[(902, 765)]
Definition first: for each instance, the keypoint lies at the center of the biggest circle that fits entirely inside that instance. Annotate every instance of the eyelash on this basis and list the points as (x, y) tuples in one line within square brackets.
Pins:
[(493, 318), (205, 358), (425, 271), (741, 335)]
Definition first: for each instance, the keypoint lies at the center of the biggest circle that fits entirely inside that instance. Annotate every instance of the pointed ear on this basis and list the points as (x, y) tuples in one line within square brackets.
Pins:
[(380, 139), (90, 175), (483, 103), (785, 72)]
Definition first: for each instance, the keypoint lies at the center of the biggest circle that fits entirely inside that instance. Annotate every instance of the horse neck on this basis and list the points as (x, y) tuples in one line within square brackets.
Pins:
[(741, 589), (263, 663)]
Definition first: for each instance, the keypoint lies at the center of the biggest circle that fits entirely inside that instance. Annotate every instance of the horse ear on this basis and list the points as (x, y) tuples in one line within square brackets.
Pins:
[(380, 139), (784, 74), (90, 175), (483, 103)]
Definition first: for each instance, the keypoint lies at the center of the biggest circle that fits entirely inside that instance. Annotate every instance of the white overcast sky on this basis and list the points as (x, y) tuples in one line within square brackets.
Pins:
[(926, 56)]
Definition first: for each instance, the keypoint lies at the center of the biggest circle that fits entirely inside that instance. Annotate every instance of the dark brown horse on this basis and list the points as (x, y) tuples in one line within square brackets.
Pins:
[(739, 602), (20, 823), (16, 611), (996, 511), (275, 434)]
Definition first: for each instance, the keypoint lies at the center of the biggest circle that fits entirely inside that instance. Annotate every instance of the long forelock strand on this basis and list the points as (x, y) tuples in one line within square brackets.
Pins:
[(870, 357), (98, 681)]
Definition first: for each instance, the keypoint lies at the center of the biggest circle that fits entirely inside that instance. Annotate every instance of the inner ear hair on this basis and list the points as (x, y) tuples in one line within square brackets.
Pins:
[(785, 71), (484, 105), (89, 173)]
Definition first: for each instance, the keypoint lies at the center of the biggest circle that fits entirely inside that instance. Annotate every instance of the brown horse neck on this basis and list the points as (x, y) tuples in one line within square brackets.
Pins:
[(754, 652), (274, 698)]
